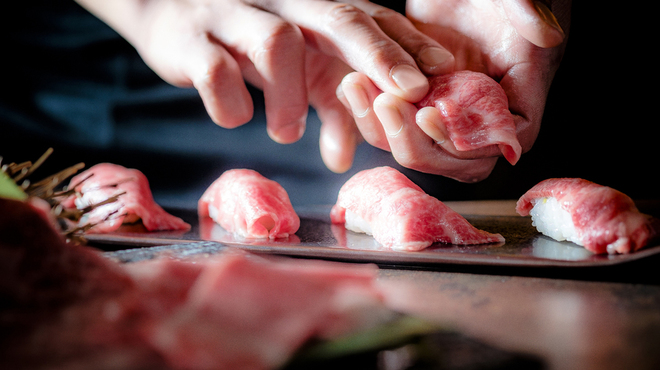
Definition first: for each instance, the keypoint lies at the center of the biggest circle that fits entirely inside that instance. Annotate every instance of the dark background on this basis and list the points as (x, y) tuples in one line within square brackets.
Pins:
[(72, 84)]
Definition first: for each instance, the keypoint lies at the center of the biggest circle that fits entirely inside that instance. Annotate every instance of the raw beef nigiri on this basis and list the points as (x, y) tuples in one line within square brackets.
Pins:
[(244, 202), (399, 214), (108, 180), (475, 111), (601, 219)]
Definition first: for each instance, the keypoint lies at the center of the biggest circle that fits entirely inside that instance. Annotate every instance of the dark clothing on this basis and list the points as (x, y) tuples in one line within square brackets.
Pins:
[(74, 84)]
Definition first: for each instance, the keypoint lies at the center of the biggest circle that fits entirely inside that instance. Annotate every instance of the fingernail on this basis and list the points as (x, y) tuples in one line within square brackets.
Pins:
[(339, 92), (357, 99), (289, 133), (391, 119), (431, 129), (547, 16), (433, 56), (408, 78)]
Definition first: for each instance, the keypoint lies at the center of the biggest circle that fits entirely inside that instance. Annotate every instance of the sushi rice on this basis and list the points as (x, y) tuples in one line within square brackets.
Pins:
[(552, 220), (356, 223)]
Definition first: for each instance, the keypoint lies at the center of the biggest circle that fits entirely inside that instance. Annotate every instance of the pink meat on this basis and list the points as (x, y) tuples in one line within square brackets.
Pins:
[(70, 307), (606, 220), (246, 203), (136, 203), (246, 312), (401, 215), (475, 111), (62, 303)]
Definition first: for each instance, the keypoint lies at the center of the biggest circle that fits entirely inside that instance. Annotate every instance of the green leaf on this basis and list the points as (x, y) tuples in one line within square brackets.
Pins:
[(386, 335), (9, 189)]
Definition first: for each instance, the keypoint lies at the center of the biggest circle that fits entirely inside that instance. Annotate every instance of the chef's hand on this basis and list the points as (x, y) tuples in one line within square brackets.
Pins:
[(296, 51), (517, 42)]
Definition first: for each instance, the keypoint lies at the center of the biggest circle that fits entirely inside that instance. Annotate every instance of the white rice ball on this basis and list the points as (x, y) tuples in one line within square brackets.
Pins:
[(356, 223), (551, 220)]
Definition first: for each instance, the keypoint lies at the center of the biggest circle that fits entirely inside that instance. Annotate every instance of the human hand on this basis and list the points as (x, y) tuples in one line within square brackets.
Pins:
[(486, 36), (296, 51)]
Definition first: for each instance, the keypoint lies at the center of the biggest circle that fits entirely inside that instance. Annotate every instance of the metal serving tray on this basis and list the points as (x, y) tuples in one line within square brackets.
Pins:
[(318, 238)]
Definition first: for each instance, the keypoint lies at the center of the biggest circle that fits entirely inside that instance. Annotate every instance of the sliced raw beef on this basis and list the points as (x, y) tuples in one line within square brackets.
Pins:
[(106, 180), (244, 202), (601, 219), (246, 312), (69, 307), (399, 214), (475, 111)]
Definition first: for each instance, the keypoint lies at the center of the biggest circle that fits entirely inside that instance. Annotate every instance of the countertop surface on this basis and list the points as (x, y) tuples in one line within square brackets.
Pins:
[(593, 319), (570, 324), (603, 317)]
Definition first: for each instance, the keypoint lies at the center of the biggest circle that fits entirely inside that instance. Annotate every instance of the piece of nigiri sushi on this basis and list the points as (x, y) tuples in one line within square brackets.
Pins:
[(106, 180), (383, 202), (601, 219), (244, 202), (475, 111)]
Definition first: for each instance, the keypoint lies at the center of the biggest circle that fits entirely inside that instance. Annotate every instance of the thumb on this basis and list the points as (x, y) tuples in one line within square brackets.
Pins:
[(534, 21)]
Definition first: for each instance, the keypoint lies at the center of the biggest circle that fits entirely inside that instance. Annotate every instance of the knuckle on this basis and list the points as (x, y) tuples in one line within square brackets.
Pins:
[(281, 36), (409, 159), (386, 18), (215, 68), (468, 171), (413, 42), (375, 47), (382, 54), (477, 176), (474, 173), (386, 15), (341, 14)]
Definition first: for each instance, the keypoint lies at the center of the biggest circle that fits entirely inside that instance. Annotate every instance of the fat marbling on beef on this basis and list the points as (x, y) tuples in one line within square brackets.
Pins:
[(399, 214), (105, 180), (475, 111), (244, 202), (600, 218)]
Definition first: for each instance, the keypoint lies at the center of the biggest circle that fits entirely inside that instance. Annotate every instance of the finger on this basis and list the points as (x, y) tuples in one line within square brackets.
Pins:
[(527, 87), (339, 135), (338, 139), (535, 22), (412, 148), (358, 93), (345, 31), (280, 62), (431, 122), (276, 52), (431, 57), (183, 56), (217, 78)]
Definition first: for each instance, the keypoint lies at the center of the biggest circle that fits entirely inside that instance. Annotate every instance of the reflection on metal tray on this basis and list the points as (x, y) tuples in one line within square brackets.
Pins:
[(318, 238)]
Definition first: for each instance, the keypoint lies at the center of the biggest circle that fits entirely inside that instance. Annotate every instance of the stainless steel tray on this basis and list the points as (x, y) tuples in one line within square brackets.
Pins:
[(318, 238)]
